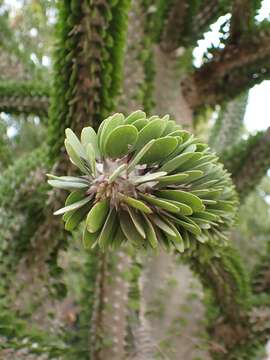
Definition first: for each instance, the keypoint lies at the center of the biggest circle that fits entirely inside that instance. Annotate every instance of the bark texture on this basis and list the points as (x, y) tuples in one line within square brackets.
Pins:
[(168, 285), (168, 93), (108, 325)]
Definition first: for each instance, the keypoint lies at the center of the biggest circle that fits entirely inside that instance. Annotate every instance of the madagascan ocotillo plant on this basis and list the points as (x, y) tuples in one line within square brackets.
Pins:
[(145, 182), (142, 260)]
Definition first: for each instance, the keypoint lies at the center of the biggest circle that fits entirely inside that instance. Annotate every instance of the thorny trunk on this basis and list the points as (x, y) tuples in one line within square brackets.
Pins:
[(108, 334), (108, 325)]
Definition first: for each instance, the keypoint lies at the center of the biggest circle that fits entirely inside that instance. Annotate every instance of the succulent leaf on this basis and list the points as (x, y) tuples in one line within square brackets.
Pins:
[(75, 158), (91, 157), (89, 239), (152, 130), (137, 221), (136, 115), (140, 123), (161, 148), (120, 140), (97, 216), (136, 204), (110, 124), (75, 217), (130, 230), (109, 229), (74, 206), (163, 204), (75, 143), (89, 136)]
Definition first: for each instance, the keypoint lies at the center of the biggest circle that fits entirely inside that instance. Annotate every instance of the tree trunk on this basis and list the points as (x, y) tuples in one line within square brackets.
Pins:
[(109, 318), (168, 94), (108, 326), (169, 286)]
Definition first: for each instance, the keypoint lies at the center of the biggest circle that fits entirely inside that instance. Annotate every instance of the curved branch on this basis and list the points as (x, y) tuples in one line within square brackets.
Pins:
[(24, 97), (235, 65), (229, 124), (248, 161)]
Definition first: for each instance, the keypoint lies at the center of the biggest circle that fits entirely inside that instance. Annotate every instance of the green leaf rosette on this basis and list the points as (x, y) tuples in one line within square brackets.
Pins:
[(146, 182)]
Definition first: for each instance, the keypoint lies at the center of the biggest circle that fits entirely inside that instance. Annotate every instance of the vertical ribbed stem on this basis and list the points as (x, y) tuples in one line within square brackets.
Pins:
[(109, 324), (143, 339), (108, 330)]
